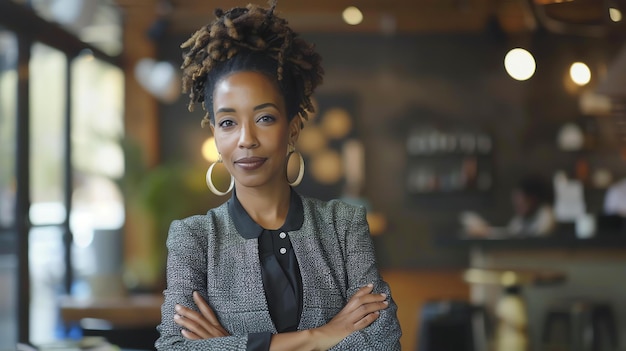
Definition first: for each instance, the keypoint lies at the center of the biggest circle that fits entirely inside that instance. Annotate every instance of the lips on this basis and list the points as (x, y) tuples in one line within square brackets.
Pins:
[(250, 163)]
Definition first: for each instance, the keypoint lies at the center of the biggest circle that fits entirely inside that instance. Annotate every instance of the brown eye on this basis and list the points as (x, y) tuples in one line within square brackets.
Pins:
[(266, 119), (226, 123)]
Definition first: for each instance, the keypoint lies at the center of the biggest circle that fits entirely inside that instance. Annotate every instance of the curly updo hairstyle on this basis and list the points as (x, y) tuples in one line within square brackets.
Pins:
[(250, 39)]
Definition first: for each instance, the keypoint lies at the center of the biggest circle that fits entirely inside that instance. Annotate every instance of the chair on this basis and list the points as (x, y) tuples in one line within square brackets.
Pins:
[(139, 338), (452, 325)]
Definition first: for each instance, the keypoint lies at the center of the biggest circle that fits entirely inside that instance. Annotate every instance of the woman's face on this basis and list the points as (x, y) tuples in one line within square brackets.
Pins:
[(251, 129)]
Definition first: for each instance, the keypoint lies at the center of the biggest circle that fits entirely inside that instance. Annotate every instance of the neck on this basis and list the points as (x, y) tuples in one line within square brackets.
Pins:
[(267, 207)]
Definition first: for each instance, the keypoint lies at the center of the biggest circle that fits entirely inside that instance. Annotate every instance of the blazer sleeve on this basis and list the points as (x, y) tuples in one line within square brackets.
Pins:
[(186, 272), (385, 332)]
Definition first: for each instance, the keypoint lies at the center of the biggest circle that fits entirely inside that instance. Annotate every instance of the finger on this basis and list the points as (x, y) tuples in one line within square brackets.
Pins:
[(190, 335), (205, 309), (189, 313), (366, 320), (357, 301), (197, 323), (364, 290), (187, 325), (193, 321), (368, 308), (208, 313), (202, 329)]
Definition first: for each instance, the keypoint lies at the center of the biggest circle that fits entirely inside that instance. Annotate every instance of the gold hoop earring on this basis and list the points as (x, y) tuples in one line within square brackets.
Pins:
[(296, 182), (209, 180)]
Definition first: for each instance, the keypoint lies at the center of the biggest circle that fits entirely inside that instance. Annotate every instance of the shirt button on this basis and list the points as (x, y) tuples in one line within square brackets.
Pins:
[(283, 250), (282, 235)]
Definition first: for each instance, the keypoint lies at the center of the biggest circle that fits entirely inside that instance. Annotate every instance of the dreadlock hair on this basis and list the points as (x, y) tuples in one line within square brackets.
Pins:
[(250, 39)]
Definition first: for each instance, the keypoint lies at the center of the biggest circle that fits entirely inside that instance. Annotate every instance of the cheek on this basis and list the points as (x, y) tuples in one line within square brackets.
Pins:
[(223, 145)]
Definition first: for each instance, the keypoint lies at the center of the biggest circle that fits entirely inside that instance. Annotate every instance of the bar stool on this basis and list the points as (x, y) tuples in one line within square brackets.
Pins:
[(511, 316), (586, 326)]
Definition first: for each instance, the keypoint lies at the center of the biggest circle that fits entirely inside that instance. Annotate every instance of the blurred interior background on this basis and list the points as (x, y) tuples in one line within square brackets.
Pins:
[(429, 111)]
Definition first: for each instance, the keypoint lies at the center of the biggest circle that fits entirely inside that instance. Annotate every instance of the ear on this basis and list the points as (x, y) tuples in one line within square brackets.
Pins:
[(294, 129), (213, 134)]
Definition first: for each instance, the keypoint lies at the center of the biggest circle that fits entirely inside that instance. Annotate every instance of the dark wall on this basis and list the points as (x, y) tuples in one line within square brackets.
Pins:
[(452, 82)]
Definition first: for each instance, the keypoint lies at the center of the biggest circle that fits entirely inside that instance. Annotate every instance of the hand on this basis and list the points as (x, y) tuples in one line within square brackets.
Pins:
[(361, 310), (203, 325)]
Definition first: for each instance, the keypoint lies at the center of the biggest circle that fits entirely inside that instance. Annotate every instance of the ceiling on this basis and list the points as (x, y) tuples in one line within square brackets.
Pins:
[(387, 16)]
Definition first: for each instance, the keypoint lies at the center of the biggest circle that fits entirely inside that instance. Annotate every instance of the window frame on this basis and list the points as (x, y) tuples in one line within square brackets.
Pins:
[(30, 28)]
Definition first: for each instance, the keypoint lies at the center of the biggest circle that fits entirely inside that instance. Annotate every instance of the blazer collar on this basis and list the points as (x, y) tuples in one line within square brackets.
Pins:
[(249, 229)]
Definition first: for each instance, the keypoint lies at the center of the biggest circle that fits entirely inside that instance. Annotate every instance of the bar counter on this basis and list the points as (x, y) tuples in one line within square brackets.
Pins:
[(593, 269)]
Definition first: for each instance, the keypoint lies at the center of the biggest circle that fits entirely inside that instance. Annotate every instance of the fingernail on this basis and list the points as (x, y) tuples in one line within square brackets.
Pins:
[(383, 295), (386, 302), (177, 308), (377, 312), (176, 316), (371, 285)]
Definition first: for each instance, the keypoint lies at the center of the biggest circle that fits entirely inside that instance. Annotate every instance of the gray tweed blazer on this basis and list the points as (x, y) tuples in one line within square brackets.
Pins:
[(335, 255)]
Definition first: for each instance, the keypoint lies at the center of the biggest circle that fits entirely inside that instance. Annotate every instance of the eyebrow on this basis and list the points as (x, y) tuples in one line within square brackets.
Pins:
[(256, 108), (262, 106)]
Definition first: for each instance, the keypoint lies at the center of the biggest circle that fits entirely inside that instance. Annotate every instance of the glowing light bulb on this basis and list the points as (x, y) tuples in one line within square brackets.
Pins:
[(352, 15), (209, 150), (615, 14), (580, 73), (519, 64)]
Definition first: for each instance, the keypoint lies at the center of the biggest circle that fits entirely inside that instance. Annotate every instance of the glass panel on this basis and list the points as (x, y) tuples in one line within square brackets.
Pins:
[(47, 116), (8, 117), (8, 301), (47, 271), (97, 213), (8, 259), (47, 101)]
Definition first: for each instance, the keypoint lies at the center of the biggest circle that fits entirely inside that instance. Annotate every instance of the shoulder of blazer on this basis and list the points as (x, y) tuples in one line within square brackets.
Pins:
[(214, 219), (335, 209)]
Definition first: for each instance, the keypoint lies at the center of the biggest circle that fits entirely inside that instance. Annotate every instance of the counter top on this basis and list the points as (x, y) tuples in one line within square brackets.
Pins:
[(558, 240)]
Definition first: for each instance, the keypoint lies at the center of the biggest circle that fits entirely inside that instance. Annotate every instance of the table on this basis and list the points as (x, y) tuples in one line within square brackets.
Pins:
[(131, 311)]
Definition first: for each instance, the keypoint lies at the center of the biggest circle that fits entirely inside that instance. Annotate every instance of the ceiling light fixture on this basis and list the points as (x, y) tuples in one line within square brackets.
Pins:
[(352, 15), (580, 73), (615, 14), (519, 64)]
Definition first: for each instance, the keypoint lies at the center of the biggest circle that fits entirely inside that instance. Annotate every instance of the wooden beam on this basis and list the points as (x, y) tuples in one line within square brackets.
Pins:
[(25, 21), (416, 16)]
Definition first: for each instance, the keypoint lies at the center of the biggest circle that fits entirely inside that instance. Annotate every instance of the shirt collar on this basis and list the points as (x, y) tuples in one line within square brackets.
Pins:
[(249, 229)]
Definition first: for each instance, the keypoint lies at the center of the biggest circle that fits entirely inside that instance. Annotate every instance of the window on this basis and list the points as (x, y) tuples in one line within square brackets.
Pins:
[(97, 213), (47, 140), (8, 118), (37, 178), (48, 110)]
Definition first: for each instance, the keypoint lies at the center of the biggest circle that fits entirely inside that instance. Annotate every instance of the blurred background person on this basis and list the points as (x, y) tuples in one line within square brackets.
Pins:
[(532, 202), (533, 213)]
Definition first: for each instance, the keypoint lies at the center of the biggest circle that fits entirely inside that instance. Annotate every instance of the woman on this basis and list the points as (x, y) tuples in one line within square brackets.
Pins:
[(532, 202), (269, 269)]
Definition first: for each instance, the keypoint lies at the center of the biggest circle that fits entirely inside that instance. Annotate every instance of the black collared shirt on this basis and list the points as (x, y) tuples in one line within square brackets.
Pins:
[(282, 281)]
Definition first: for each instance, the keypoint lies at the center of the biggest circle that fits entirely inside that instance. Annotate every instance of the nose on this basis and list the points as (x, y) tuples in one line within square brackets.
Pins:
[(247, 137)]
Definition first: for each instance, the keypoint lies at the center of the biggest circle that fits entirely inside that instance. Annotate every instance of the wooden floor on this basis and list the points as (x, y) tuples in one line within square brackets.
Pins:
[(412, 288)]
